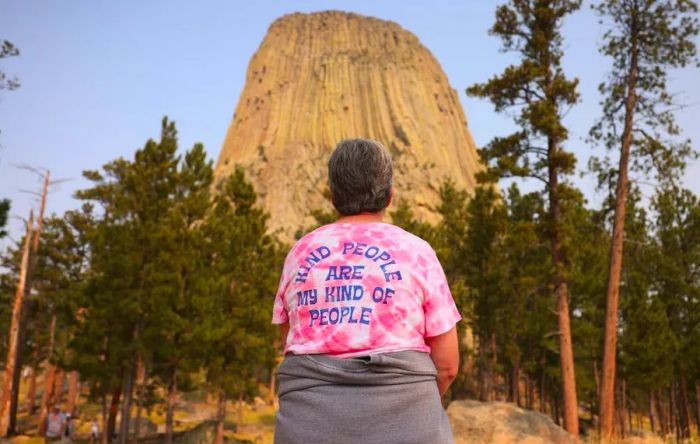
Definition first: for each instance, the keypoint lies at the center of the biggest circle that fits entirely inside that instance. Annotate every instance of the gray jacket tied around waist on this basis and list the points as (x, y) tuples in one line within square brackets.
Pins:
[(386, 398)]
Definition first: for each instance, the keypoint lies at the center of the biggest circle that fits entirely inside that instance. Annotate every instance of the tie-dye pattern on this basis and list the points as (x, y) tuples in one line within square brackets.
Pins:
[(350, 289)]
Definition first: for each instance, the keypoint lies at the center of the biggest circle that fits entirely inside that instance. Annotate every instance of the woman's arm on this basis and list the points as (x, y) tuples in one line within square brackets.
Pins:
[(284, 331), (444, 351)]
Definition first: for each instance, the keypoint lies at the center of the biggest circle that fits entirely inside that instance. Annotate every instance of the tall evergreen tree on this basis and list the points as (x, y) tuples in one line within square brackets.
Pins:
[(525, 316), (538, 87), (647, 347), (181, 281), (645, 39), (678, 285), (61, 271), (128, 249), (241, 276), (484, 275)]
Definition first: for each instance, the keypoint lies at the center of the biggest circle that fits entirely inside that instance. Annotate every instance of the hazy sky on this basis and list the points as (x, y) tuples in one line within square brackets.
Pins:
[(98, 76)]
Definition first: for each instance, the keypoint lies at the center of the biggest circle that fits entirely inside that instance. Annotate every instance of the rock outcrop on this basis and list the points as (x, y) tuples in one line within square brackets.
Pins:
[(321, 77), (475, 422)]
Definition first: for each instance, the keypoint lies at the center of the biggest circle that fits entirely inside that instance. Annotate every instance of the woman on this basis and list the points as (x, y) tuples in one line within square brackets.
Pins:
[(367, 318)]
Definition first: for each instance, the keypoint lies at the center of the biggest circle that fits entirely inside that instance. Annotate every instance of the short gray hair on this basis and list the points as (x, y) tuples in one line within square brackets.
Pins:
[(359, 175)]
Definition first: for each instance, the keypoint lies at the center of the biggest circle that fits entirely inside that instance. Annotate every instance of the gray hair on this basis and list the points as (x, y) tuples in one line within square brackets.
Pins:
[(359, 175)]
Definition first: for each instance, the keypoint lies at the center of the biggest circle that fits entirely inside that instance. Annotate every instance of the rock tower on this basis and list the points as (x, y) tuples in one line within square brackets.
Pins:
[(322, 77)]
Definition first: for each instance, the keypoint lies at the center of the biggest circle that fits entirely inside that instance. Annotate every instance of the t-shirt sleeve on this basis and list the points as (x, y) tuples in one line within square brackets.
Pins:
[(279, 308), (441, 313)]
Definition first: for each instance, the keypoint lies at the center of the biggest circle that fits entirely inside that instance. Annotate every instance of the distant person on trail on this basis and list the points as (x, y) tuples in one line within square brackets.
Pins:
[(69, 429), (367, 318), (94, 431), (55, 425)]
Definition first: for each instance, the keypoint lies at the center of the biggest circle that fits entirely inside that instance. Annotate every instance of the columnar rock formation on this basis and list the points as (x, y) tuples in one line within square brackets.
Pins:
[(321, 77)]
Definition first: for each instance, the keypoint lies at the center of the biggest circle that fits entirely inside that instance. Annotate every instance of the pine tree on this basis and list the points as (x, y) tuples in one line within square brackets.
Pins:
[(180, 279), (484, 275), (645, 39), (242, 275), (524, 317), (678, 237), (128, 250), (61, 271), (4, 211), (538, 88), (647, 345)]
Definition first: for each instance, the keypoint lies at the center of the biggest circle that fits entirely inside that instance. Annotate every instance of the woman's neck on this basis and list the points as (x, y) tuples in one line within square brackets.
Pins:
[(362, 217)]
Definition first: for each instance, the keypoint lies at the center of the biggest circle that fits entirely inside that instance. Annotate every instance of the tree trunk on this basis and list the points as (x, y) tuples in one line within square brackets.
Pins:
[(622, 411), (22, 325), (683, 408), (492, 367), (104, 436), (570, 410), (58, 387), (596, 378), (73, 392), (141, 375), (555, 410), (172, 387), (113, 411), (220, 418), (672, 412), (561, 290), (607, 399), (515, 383), (123, 436), (697, 405), (21, 340), (484, 377), (239, 420), (653, 414), (664, 416), (46, 397), (50, 374), (9, 388), (542, 404), (31, 393)]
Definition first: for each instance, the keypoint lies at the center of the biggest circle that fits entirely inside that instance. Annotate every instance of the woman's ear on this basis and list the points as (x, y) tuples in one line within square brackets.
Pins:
[(391, 196)]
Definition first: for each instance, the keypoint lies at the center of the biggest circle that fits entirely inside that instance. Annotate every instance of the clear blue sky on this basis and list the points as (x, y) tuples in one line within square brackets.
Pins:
[(98, 76)]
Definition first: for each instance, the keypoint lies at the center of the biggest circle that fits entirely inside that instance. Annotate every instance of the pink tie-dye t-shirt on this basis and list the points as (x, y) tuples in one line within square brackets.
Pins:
[(351, 289)]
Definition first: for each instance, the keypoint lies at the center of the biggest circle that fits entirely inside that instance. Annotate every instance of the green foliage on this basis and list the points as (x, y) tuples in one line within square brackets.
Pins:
[(4, 211), (645, 39), (8, 49), (403, 217), (242, 273), (537, 87), (180, 277), (321, 217), (647, 341), (678, 280)]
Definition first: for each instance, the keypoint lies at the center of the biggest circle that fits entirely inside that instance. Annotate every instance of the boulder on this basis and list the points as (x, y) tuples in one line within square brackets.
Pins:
[(475, 422)]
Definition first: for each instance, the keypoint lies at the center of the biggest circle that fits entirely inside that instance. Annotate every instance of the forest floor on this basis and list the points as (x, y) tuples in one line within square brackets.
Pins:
[(257, 420)]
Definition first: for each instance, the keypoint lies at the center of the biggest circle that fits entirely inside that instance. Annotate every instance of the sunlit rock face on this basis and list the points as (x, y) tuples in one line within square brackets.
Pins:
[(319, 78)]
